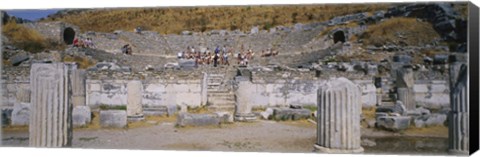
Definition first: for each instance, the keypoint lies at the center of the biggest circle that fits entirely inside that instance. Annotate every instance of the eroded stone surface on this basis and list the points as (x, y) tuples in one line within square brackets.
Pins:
[(113, 119), (339, 108)]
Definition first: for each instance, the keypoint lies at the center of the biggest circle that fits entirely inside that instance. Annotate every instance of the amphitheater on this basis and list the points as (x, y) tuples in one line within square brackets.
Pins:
[(121, 90)]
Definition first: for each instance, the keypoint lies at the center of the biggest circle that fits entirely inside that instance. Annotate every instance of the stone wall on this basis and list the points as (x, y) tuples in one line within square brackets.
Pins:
[(53, 30), (155, 93), (432, 93)]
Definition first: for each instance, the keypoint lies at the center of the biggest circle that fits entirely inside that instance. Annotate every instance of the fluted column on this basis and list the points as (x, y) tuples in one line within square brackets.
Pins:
[(339, 109), (458, 126), (51, 111), (404, 83)]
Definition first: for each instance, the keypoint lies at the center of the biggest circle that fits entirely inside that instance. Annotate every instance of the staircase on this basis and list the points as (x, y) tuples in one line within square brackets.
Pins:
[(220, 97)]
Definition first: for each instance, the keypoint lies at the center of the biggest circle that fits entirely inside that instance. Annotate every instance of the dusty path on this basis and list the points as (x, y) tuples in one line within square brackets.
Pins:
[(261, 136)]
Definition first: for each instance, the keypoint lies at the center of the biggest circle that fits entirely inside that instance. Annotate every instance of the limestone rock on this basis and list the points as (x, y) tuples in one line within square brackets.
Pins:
[(21, 114), (393, 123), (81, 116), (187, 119), (113, 119)]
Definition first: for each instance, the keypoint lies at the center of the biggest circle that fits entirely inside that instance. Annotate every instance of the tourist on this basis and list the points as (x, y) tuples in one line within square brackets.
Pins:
[(75, 42), (89, 43), (180, 55), (126, 49), (215, 59), (225, 59)]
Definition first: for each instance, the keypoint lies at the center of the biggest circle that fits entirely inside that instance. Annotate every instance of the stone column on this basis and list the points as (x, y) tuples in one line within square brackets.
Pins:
[(81, 114), (51, 111), (204, 88), (78, 87), (404, 82), (134, 100), (243, 108), (338, 125), (379, 91), (458, 119)]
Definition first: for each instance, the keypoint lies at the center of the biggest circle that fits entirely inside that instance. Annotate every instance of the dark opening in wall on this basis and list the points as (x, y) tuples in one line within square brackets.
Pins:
[(338, 36), (68, 35)]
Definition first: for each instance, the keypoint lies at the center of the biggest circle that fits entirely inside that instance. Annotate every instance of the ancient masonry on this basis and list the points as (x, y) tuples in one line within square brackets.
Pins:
[(338, 125), (134, 101), (405, 84), (458, 118), (243, 107), (81, 114), (50, 118)]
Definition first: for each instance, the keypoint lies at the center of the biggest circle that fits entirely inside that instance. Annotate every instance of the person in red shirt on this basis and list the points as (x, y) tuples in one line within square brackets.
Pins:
[(75, 42)]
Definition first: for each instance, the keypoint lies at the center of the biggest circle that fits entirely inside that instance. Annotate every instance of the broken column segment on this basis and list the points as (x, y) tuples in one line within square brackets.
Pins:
[(134, 101), (51, 111), (404, 83), (338, 125), (243, 108), (81, 114), (458, 119)]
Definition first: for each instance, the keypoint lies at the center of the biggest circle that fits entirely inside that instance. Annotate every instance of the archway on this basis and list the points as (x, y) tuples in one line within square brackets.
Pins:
[(68, 35), (338, 36)]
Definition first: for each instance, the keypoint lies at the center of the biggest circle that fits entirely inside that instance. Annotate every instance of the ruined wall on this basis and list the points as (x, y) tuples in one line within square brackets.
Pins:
[(155, 93), (53, 30), (432, 93)]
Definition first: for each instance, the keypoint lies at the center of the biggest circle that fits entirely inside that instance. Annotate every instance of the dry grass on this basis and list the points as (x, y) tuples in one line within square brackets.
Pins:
[(432, 131), (461, 9), (304, 123), (414, 32), (175, 20), (198, 110), (15, 128), (24, 38), (83, 62), (28, 39)]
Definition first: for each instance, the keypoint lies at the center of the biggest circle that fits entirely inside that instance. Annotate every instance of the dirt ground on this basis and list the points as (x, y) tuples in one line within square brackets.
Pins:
[(259, 136)]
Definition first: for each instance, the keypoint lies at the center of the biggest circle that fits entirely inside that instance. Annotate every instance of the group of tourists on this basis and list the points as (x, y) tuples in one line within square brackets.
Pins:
[(218, 57), (83, 43)]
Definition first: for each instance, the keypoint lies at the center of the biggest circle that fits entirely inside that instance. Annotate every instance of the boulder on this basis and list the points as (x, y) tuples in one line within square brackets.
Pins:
[(399, 108), (113, 118), (267, 113), (393, 123), (290, 114), (19, 58), (430, 120), (81, 116), (188, 119), (21, 114), (225, 117)]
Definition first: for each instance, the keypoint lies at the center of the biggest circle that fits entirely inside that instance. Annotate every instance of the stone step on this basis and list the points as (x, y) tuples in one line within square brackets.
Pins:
[(216, 75), (220, 94), (214, 84), (221, 108), (217, 90), (221, 101)]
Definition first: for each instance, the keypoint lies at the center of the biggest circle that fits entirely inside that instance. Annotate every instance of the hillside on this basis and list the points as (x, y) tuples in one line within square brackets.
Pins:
[(175, 20)]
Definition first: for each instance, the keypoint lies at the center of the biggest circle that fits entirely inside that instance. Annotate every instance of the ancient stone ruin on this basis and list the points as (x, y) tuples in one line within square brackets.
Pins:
[(307, 83), (459, 120), (339, 112), (51, 111)]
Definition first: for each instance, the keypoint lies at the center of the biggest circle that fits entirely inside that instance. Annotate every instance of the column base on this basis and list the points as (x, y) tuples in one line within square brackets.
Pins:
[(135, 118), (245, 117), (457, 152), (321, 149)]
